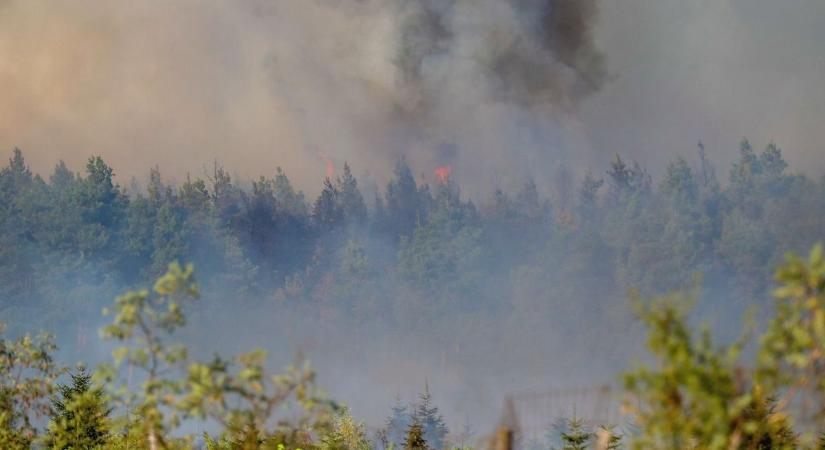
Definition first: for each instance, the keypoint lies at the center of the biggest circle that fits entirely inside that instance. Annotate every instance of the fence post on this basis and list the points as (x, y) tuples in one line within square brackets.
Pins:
[(504, 438)]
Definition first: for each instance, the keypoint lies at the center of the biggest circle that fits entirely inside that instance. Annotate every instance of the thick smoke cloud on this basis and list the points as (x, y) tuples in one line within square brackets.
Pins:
[(501, 88), (264, 82), (528, 52), (482, 84)]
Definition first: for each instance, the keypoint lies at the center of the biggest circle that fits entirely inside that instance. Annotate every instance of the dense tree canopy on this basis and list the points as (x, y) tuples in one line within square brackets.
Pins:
[(422, 258)]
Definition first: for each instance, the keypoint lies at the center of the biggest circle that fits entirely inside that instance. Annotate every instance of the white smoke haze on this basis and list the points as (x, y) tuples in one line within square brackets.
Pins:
[(500, 89), (710, 70)]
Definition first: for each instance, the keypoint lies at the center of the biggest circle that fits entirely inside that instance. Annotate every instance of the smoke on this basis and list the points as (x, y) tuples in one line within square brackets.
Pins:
[(527, 52), (438, 82), (262, 83), (514, 87), (710, 70)]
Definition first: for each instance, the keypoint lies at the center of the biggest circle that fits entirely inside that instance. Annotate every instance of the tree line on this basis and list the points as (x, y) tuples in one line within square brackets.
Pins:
[(619, 227)]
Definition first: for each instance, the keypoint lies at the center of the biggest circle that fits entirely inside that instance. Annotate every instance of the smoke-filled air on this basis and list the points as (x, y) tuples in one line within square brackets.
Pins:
[(412, 224)]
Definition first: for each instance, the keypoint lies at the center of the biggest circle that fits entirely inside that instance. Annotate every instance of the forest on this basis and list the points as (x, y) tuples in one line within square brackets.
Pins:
[(616, 229), (466, 284)]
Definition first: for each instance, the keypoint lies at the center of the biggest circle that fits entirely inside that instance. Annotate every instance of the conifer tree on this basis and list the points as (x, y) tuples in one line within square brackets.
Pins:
[(194, 196), (326, 212), (406, 204), (351, 202), (288, 199), (576, 437), (80, 415), (415, 438), (398, 424), (427, 415), (18, 171), (588, 192)]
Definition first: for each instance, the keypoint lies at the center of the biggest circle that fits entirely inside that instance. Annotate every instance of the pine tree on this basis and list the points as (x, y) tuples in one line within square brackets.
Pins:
[(771, 160), (288, 199), (415, 438), (80, 415), (168, 238), (406, 204), (350, 200), (226, 197), (102, 206), (748, 166), (326, 212), (193, 196), (576, 437), (258, 224), (426, 414), (679, 183), (619, 174), (18, 170), (397, 424)]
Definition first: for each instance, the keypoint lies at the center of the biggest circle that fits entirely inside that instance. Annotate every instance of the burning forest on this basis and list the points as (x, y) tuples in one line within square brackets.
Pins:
[(417, 224)]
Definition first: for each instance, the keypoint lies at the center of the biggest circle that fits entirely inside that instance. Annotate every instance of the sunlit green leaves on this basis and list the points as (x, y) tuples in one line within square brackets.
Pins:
[(27, 380)]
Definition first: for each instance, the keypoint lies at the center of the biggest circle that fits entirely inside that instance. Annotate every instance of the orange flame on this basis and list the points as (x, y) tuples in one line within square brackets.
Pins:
[(442, 174), (329, 167)]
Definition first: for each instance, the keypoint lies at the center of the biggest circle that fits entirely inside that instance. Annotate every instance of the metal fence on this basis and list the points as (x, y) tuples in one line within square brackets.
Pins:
[(531, 415)]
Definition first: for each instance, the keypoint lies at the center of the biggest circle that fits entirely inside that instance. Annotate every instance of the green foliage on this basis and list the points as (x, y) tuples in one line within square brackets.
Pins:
[(791, 357), (406, 203), (350, 200), (576, 437), (421, 416), (244, 401), (423, 252), (442, 255), (327, 212), (683, 403), (698, 395), (238, 394), (345, 434), (102, 207), (255, 237), (426, 414), (80, 415), (415, 438), (291, 201), (397, 425), (27, 380), (143, 322)]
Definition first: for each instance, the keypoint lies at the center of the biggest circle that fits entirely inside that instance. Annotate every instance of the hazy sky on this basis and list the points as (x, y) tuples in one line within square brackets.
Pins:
[(256, 84), (712, 69)]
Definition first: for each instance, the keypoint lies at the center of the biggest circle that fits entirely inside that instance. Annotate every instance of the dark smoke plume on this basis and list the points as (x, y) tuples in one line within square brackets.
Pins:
[(529, 52)]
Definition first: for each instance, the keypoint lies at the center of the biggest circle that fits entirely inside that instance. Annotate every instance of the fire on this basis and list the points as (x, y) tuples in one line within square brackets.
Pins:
[(442, 174), (328, 166)]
